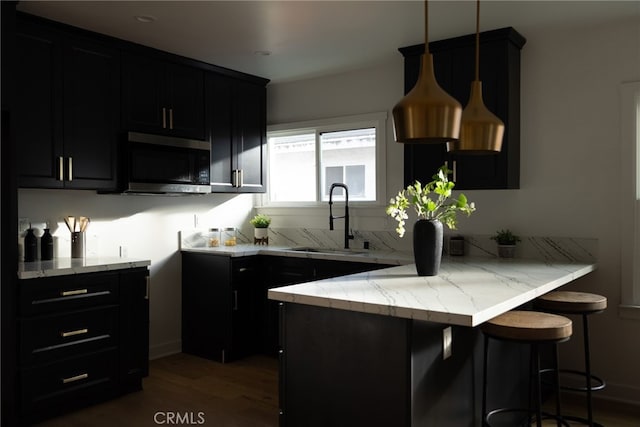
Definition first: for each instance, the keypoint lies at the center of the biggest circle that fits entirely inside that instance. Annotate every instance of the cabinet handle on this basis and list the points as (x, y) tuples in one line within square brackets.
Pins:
[(164, 118), (70, 171), (72, 333), (234, 178), (148, 279), (455, 170), (235, 300), (74, 292), (75, 378), (60, 168), (241, 178), (171, 118)]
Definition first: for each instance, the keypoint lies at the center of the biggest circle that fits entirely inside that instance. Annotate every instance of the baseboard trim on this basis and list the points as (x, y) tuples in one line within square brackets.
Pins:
[(165, 349)]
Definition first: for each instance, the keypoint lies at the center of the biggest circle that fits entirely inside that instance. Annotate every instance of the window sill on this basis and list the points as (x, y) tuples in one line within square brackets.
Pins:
[(631, 312)]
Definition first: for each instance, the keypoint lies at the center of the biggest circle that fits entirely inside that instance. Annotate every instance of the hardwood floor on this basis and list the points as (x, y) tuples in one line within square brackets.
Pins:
[(239, 394)]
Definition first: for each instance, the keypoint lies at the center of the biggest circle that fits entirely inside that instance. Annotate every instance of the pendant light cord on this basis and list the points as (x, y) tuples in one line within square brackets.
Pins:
[(478, 40), (426, 27)]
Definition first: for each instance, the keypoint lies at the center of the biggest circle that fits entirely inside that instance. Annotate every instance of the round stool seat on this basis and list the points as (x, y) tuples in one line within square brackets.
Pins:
[(571, 302), (529, 326)]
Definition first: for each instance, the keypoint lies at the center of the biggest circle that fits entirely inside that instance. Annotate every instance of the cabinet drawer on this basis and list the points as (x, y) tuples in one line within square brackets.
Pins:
[(62, 293), (56, 387), (47, 338)]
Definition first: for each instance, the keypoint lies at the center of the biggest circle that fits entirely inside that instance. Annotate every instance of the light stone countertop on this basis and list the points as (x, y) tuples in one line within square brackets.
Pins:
[(355, 255), (67, 266), (467, 291)]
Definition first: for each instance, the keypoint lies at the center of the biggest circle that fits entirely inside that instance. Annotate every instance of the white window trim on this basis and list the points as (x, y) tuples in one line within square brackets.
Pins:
[(630, 179), (377, 120)]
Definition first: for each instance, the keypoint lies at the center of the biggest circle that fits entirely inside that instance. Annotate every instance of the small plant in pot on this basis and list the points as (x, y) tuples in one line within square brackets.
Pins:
[(261, 223), (431, 204), (506, 241)]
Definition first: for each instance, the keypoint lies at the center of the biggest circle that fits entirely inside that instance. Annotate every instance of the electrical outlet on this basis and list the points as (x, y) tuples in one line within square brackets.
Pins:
[(446, 342), (124, 252), (195, 220)]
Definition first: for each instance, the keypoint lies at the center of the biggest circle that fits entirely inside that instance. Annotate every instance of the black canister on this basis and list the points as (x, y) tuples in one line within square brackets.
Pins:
[(30, 246), (46, 246)]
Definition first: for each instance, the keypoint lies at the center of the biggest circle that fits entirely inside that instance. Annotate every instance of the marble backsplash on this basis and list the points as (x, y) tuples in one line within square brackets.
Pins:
[(544, 248)]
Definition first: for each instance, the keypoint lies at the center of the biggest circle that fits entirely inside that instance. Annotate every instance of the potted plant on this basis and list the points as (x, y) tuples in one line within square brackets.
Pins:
[(506, 241), (261, 231), (431, 204)]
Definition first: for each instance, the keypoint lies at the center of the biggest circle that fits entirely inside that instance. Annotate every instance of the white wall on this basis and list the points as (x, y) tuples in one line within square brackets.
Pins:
[(570, 162), (148, 227)]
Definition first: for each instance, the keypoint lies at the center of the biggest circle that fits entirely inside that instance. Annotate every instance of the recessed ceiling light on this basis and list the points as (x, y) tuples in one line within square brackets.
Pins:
[(145, 18), (262, 52)]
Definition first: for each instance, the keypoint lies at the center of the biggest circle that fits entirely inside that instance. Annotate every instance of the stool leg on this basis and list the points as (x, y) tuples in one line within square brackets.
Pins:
[(557, 384), (538, 385), (587, 366), (484, 382)]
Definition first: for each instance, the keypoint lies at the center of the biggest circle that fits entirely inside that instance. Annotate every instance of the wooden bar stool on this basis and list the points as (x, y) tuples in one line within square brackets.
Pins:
[(532, 328), (584, 304)]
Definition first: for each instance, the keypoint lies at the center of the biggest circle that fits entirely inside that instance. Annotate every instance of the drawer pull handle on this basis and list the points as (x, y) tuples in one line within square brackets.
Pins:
[(72, 333), (76, 378), (74, 292)]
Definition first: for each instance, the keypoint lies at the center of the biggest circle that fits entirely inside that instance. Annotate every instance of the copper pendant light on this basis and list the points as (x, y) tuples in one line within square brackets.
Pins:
[(427, 114), (481, 131)]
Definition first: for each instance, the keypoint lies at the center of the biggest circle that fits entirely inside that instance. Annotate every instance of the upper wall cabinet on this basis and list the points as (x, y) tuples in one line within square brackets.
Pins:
[(65, 113), (236, 115), (500, 76), (161, 97)]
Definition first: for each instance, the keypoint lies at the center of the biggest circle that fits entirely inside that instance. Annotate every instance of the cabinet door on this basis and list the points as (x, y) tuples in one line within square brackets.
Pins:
[(142, 102), (185, 101), (206, 305), (134, 328), (91, 114), (37, 108), (251, 136), (219, 93), (247, 307)]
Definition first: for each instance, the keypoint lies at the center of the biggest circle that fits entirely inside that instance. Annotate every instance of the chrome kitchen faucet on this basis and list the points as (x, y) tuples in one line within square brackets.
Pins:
[(347, 235)]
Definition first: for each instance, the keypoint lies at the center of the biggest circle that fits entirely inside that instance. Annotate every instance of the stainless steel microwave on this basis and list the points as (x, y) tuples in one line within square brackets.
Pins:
[(158, 164)]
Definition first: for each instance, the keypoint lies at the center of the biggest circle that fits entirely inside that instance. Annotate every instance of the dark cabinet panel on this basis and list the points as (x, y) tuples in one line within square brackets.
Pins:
[(83, 338), (162, 97), (65, 115), (236, 114), (221, 304), (37, 107), (500, 76)]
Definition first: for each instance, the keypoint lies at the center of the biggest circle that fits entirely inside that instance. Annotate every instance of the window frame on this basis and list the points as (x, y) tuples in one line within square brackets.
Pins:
[(630, 174), (372, 120)]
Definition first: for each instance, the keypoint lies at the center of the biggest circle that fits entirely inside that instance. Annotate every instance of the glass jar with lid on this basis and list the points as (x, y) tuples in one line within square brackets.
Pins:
[(229, 236), (213, 237)]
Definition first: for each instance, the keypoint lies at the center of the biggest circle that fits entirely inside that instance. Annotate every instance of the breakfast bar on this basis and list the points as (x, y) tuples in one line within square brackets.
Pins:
[(369, 348)]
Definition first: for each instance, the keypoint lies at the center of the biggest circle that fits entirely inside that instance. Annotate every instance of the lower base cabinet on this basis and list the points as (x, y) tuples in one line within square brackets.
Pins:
[(225, 311), (83, 339)]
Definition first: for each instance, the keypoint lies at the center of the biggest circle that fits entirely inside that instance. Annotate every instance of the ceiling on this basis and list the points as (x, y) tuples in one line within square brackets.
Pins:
[(291, 40)]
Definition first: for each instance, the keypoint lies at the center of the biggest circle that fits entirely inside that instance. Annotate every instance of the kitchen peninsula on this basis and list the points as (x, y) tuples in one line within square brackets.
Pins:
[(367, 349)]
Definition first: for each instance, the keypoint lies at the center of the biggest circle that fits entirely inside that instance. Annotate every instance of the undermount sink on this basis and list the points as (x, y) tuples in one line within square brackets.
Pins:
[(328, 250)]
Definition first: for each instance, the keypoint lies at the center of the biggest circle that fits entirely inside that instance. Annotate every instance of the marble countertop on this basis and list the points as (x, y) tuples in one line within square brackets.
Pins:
[(467, 291), (66, 266), (354, 255)]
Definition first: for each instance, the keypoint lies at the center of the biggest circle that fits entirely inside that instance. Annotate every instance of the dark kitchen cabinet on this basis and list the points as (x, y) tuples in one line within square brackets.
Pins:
[(83, 338), (500, 76), (221, 306), (283, 271), (236, 114), (162, 97), (65, 112)]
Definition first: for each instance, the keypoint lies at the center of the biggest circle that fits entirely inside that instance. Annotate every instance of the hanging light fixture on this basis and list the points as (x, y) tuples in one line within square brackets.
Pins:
[(481, 131), (427, 114)]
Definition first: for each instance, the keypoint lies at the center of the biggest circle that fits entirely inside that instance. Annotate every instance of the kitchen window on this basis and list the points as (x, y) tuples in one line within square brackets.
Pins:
[(630, 173), (305, 158)]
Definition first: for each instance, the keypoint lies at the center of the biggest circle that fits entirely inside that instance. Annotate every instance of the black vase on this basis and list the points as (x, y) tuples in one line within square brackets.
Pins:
[(427, 246)]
